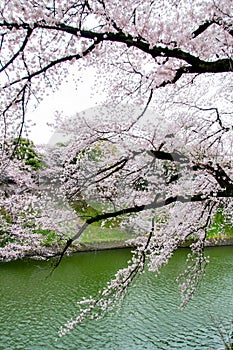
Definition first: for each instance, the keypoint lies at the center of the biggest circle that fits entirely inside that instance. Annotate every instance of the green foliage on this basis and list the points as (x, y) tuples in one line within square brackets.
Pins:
[(50, 237), (25, 150), (89, 210), (6, 216), (220, 227), (94, 153), (5, 238), (141, 184), (106, 231), (85, 210)]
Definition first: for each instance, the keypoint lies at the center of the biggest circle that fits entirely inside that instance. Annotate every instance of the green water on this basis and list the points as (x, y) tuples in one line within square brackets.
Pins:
[(33, 307)]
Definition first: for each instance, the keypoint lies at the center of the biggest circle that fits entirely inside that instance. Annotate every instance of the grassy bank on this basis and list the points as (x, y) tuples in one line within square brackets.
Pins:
[(103, 234), (110, 234)]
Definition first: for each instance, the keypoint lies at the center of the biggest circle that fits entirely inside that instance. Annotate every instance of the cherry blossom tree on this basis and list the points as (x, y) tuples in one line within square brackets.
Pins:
[(157, 155), (29, 205)]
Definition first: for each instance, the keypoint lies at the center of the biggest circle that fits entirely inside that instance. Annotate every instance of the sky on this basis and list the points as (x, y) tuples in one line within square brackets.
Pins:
[(68, 99)]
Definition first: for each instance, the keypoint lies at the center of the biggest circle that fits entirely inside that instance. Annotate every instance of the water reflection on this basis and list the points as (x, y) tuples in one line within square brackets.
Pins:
[(33, 307)]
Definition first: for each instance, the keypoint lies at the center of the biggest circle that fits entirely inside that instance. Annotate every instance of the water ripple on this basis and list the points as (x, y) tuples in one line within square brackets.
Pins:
[(33, 307)]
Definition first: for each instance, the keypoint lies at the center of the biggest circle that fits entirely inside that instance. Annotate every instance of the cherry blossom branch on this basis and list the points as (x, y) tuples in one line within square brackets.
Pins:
[(155, 204), (116, 289), (195, 64), (197, 261), (21, 49), (203, 28), (143, 112), (219, 174), (215, 20), (52, 64), (23, 103)]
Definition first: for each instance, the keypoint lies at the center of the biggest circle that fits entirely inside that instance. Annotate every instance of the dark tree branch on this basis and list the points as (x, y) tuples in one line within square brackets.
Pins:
[(202, 28), (29, 32), (68, 244), (171, 156), (225, 182), (218, 21), (114, 168), (143, 112), (195, 64), (22, 123), (137, 209), (53, 64)]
